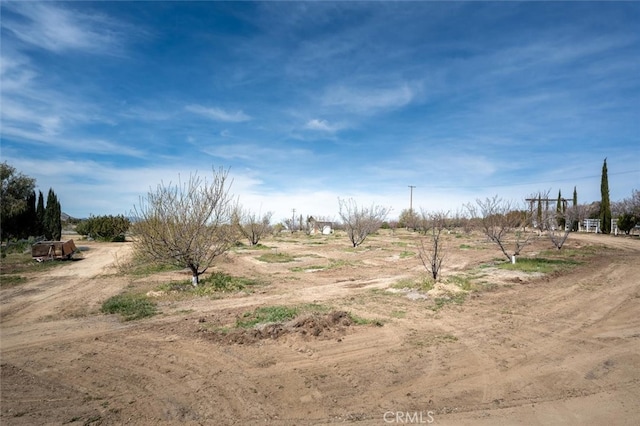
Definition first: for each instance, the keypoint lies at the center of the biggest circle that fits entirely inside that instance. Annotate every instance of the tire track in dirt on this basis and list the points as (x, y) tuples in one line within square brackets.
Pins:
[(552, 346)]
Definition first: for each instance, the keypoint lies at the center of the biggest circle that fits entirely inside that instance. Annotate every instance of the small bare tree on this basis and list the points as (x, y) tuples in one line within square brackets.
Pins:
[(539, 210), (559, 234), (432, 251), (409, 219), (187, 225), (289, 224), (251, 225), (502, 224), (359, 222)]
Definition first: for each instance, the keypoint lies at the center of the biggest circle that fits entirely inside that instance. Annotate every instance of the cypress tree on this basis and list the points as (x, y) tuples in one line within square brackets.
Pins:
[(559, 211), (52, 218), (576, 223), (58, 221), (540, 226), (605, 204), (39, 231), (27, 220)]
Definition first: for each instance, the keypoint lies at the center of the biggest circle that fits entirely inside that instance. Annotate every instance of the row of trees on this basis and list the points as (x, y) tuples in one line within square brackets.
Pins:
[(192, 223), (24, 215)]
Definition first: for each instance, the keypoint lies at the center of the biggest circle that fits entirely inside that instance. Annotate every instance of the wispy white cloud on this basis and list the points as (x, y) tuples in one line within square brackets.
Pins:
[(251, 152), (56, 28), (218, 114), (369, 100), (322, 125)]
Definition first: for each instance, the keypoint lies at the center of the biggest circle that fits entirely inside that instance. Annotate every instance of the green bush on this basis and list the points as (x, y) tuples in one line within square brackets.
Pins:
[(105, 228), (627, 222)]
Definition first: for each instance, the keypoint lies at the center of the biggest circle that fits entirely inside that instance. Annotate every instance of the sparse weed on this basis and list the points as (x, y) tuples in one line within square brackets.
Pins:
[(333, 264), (16, 262), (540, 265), (456, 298), (423, 284), (357, 320), (462, 281), (216, 283), (276, 258), (12, 280), (267, 314), (130, 306), (140, 268), (241, 246)]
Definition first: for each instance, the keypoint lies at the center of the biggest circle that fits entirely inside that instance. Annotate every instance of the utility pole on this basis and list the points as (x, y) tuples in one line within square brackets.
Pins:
[(293, 220), (411, 201)]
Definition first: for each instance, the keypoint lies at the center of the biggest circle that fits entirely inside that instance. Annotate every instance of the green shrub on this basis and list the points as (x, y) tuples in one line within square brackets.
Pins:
[(627, 222), (105, 228)]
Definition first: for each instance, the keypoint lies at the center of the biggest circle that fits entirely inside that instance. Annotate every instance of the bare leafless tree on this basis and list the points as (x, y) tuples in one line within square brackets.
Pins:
[(186, 224), (559, 234), (503, 224), (539, 210), (629, 205), (289, 224), (409, 219), (359, 222), (432, 252), (251, 225)]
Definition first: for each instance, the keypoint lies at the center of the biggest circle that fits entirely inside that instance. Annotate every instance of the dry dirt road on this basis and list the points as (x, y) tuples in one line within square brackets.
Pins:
[(553, 350)]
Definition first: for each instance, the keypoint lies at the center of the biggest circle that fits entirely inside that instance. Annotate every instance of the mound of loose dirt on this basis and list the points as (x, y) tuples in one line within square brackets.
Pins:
[(316, 325)]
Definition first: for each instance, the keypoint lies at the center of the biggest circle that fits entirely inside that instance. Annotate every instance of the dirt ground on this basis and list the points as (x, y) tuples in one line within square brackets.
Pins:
[(522, 349)]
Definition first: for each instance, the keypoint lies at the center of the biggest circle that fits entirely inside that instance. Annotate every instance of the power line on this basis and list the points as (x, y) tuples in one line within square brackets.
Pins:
[(527, 183)]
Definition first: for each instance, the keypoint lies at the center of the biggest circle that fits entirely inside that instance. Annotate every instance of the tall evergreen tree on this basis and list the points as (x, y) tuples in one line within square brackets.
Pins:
[(560, 210), (540, 225), (26, 221), (39, 231), (576, 223), (52, 218), (605, 204)]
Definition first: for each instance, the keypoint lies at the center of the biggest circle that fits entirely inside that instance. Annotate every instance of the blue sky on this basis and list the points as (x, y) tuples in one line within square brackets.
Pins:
[(306, 102)]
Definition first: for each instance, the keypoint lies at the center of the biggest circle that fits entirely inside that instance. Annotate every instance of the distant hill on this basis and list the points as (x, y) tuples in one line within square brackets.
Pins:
[(67, 218)]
